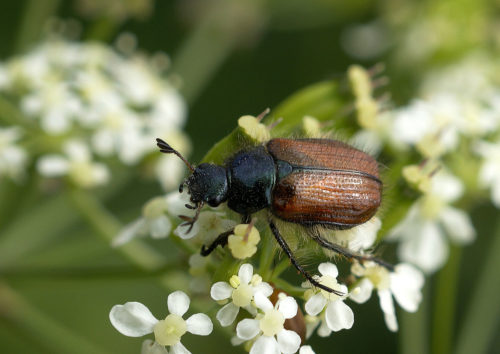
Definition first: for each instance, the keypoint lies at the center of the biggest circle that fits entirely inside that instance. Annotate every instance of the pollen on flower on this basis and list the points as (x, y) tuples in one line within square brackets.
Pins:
[(170, 330), (235, 281), (272, 322), (256, 280), (332, 283), (242, 295), (243, 244), (254, 129)]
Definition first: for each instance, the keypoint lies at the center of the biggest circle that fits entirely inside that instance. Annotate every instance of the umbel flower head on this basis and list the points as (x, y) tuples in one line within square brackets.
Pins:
[(267, 329), (337, 315), (404, 283), (133, 319), (240, 290), (113, 105)]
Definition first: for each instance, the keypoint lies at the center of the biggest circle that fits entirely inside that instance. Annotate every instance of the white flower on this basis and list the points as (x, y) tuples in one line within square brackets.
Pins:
[(209, 225), (337, 314), (306, 349), (77, 164), (154, 222), (133, 319), (405, 284), (357, 238), (489, 174), (12, 157), (88, 92), (267, 329), (422, 233), (241, 290), (243, 242)]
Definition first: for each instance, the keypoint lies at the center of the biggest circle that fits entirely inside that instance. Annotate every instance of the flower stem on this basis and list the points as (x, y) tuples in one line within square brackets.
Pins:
[(213, 40), (35, 15), (266, 259), (413, 334), (445, 303), (108, 226), (288, 288), (49, 333), (482, 316)]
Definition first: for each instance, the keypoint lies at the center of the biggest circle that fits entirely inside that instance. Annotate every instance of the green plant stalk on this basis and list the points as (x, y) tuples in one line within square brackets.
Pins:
[(268, 251), (482, 316), (413, 332), (445, 303), (291, 290), (36, 13), (31, 230), (52, 335), (108, 226)]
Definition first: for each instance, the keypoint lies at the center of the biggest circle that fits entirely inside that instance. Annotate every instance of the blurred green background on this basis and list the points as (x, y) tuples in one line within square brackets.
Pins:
[(233, 58)]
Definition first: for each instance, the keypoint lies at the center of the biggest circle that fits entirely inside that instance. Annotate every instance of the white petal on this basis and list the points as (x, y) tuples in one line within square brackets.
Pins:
[(387, 306), (178, 303), (306, 349), (263, 302), (328, 269), (160, 227), (427, 249), (237, 341), (221, 291), (265, 345), (149, 346), (245, 273), (324, 330), (227, 314), (406, 285), (178, 348), (458, 225), (199, 324), (339, 316), (247, 328), (288, 307), (182, 231), (288, 341), (263, 288), (315, 304), (52, 165), (132, 319), (362, 292), (128, 233)]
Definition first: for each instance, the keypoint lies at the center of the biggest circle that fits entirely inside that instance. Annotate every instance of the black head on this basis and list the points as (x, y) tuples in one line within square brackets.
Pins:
[(208, 184)]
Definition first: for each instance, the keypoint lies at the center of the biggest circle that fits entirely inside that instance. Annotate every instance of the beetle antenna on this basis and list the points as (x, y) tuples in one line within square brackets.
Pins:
[(167, 149)]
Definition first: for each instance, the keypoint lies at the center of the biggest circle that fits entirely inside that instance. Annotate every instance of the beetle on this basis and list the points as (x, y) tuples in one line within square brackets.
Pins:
[(316, 183)]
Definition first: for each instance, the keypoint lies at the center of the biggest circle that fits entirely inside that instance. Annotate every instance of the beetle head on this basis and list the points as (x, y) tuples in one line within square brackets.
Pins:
[(208, 184)]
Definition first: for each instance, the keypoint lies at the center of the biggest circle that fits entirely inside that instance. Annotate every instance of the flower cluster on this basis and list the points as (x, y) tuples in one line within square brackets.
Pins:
[(84, 103), (453, 124), (133, 319)]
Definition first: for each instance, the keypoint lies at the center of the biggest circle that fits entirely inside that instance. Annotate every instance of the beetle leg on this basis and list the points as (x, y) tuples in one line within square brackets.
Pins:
[(221, 240), (350, 254), (290, 255)]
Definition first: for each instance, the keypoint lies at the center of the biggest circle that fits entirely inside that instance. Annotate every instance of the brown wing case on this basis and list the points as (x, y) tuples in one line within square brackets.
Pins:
[(322, 154), (335, 199)]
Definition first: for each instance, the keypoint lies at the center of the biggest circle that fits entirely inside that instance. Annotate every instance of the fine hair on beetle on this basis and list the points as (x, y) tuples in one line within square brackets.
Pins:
[(316, 184)]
